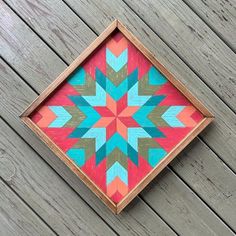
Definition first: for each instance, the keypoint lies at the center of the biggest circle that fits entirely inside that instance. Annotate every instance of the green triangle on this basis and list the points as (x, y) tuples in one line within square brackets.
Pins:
[(116, 77), (119, 156), (77, 116), (144, 144), (155, 116), (145, 88), (89, 88), (88, 144)]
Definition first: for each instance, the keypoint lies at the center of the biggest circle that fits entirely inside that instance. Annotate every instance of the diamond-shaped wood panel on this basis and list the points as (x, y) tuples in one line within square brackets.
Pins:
[(116, 116)]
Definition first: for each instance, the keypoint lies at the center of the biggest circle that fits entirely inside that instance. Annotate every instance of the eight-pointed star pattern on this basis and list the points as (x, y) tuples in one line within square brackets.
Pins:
[(116, 117)]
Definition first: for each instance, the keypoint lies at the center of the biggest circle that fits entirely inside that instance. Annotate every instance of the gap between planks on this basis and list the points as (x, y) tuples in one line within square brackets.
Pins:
[(58, 54), (23, 201), (194, 71), (219, 34)]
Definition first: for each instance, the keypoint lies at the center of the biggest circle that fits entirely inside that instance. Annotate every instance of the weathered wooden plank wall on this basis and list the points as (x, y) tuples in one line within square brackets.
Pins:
[(13, 211), (220, 16), (195, 195)]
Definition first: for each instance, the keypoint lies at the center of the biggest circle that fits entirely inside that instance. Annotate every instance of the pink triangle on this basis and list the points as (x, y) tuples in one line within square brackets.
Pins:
[(60, 137), (137, 60), (116, 197), (97, 173), (173, 96), (117, 36), (36, 117), (137, 173), (98, 59), (60, 97), (173, 137), (197, 116)]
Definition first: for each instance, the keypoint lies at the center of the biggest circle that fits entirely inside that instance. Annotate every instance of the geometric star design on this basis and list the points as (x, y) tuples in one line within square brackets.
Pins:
[(116, 118)]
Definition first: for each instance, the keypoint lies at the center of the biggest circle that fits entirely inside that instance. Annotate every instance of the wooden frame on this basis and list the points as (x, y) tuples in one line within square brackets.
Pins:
[(116, 208)]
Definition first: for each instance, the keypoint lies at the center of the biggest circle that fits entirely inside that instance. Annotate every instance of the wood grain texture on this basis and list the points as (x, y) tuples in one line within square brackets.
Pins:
[(14, 41), (44, 190), (63, 36), (182, 203), (220, 15), (98, 16), (15, 217), (133, 221), (69, 70), (185, 32), (207, 172), (180, 86), (165, 162), (141, 215), (201, 176)]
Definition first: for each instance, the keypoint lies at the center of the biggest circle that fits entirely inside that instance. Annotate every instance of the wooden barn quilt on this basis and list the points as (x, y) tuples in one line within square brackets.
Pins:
[(116, 118)]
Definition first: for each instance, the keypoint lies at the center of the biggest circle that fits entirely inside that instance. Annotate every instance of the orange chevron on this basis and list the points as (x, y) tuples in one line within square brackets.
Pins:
[(111, 104), (103, 122), (117, 185), (117, 47), (47, 117), (121, 129), (129, 111), (185, 116)]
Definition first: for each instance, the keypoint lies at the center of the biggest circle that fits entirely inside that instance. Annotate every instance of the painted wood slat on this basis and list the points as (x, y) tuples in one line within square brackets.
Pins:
[(44, 191), (118, 9), (220, 15), (186, 216), (132, 221), (15, 217), (195, 42)]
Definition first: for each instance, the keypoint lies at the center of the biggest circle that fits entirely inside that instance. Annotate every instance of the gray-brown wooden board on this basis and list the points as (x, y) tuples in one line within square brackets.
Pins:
[(16, 218), (197, 191), (220, 15)]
